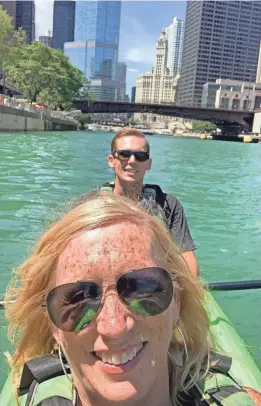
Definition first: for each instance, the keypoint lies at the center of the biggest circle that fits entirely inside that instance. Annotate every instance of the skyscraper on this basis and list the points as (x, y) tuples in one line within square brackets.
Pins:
[(258, 72), (159, 85), (46, 39), (63, 22), (221, 40), (95, 46), (25, 18), (175, 35), (10, 7), (121, 78), (23, 14), (133, 94)]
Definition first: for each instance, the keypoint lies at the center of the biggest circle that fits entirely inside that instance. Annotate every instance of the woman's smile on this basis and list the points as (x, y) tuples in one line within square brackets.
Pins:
[(121, 361)]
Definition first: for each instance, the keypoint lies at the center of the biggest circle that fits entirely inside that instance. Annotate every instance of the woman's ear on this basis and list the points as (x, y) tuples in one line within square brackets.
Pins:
[(57, 336)]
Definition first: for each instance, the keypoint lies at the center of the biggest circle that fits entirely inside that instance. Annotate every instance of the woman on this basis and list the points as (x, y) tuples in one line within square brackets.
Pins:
[(106, 287)]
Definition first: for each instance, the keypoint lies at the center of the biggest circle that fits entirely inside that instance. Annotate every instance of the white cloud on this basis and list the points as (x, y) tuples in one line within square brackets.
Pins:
[(43, 17), (133, 70)]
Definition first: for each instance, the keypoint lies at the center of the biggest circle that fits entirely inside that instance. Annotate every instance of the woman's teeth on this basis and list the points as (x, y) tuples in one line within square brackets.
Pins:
[(120, 357)]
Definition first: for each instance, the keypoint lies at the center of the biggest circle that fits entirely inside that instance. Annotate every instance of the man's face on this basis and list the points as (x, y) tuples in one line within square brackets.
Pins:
[(130, 170)]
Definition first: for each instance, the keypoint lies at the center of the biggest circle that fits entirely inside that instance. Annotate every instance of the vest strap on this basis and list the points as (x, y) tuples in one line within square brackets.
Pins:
[(40, 369), (224, 392), (219, 363)]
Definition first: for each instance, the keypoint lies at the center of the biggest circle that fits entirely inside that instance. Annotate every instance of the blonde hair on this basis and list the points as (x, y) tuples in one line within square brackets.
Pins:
[(29, 325)]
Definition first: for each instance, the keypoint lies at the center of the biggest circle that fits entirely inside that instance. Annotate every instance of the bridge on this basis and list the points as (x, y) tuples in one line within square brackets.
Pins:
[(229, 120)]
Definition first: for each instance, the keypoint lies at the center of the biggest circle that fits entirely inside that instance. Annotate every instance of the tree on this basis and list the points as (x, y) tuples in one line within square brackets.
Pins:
[(202, 126), (43, 73), (15, 44), (84, 119), (6, 30)]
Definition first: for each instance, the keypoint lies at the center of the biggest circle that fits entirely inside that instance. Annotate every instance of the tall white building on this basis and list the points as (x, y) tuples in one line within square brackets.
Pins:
[(159, 85), (175, 35)]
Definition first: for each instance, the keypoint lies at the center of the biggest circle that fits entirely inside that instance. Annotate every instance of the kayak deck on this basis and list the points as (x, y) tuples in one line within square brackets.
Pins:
[(227, 341)]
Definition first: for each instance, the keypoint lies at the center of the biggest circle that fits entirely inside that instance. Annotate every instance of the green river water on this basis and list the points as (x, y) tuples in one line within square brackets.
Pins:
[(218, 183)]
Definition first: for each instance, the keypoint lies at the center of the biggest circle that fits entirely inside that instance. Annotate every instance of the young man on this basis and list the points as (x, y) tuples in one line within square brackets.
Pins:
[(130, 160)]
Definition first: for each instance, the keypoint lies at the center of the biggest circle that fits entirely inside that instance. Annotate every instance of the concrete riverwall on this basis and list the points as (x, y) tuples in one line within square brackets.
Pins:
[(12, 119)]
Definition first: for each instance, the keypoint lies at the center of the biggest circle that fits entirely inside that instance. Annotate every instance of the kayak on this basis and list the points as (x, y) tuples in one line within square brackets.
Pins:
[(227, 341)]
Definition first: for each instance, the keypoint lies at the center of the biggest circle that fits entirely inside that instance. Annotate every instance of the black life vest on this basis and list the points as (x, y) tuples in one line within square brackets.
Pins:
[(217, 388)]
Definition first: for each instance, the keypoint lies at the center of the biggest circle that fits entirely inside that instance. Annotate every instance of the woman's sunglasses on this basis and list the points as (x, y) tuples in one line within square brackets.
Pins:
[(125, 154), (147, 291)]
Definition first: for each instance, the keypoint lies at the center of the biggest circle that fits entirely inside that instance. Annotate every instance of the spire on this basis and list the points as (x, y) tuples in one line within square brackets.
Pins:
[(163, 33)]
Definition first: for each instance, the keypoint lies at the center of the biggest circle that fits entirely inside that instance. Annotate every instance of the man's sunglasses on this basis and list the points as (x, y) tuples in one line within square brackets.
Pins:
[(147, 291), (125, 154)]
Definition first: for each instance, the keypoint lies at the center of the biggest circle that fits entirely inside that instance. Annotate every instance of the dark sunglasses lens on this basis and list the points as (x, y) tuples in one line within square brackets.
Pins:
[(148, 291), (73, 306), (124, 154), (141, 156)]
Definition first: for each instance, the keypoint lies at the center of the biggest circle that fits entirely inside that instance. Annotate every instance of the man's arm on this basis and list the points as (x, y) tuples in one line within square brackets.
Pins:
[(178, 226), (191, 260)]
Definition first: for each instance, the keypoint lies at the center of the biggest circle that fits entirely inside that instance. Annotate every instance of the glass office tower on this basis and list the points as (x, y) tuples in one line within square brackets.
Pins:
[(221, 40), (25, 18), (96, 44), (63, 22)]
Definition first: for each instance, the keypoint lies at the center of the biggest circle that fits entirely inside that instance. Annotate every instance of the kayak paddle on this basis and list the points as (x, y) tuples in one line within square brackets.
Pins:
[(218, 286), (236, 285)]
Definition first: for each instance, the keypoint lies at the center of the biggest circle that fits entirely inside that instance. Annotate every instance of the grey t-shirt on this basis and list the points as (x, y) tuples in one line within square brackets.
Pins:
[(174, 217)]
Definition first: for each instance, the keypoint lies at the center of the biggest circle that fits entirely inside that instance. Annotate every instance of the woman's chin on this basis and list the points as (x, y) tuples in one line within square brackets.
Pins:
[(120, 392)]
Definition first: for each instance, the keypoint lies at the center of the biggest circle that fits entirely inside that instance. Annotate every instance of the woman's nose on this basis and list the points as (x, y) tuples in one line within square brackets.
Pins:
[(114, 319)]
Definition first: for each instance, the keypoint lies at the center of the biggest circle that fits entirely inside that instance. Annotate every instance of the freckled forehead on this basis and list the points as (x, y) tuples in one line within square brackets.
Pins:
[(105, 253)]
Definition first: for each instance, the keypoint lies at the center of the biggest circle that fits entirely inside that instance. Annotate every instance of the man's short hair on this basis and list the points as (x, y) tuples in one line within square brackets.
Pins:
[(128, 132)]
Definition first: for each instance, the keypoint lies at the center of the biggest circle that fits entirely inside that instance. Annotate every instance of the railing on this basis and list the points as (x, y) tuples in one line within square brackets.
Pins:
[(21, 104)]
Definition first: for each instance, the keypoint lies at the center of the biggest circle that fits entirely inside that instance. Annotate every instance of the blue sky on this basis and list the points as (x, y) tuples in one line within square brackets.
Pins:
[(141, 23)]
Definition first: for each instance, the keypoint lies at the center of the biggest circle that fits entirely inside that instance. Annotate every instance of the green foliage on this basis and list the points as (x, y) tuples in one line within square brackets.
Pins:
[(6, 30), (15, 44), (42, 73), (84, 119), (202, 126), (6, 24)]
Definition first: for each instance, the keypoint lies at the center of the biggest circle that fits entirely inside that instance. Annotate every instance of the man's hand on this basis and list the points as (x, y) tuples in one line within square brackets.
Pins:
[(191, 261)]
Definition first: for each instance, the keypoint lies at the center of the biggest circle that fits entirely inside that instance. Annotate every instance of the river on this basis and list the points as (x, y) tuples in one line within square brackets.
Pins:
[(218, 183)]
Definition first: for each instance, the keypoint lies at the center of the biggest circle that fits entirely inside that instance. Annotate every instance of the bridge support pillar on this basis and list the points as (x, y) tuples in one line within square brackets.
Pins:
[(247, 138), (256, 129)]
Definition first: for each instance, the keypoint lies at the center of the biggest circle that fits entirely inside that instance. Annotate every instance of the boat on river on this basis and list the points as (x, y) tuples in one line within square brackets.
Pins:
[(145, 130)]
